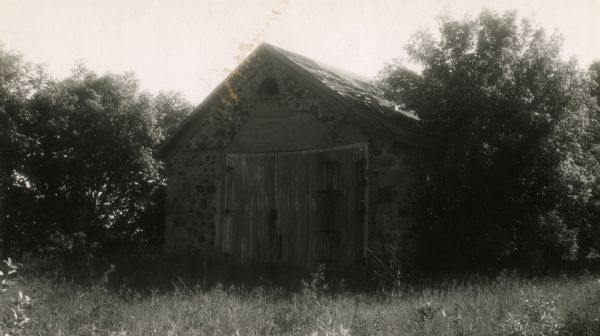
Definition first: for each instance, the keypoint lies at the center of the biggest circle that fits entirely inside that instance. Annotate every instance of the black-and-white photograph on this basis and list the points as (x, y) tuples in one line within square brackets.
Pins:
[(288, 167)]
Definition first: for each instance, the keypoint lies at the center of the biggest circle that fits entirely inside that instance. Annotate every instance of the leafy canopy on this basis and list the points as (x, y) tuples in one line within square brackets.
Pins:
[(511, 175), (78, 156)]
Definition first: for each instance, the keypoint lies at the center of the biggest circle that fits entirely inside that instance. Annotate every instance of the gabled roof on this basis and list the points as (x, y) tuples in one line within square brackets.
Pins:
[(355, 88), (362, 100)]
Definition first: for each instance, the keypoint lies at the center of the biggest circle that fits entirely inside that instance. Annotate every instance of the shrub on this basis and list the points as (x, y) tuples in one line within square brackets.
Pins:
[(14, 314), (539, 317)]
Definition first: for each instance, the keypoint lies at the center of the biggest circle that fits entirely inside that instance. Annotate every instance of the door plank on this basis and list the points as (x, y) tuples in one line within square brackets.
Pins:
[(276, 208)]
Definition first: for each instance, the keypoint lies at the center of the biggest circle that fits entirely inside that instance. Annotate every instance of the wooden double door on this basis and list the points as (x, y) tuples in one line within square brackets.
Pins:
[(301, 207)]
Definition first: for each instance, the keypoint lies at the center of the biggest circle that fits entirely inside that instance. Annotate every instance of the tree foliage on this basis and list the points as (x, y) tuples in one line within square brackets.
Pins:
[(79, 156), (513, 126), (18, 81), (171, 109)]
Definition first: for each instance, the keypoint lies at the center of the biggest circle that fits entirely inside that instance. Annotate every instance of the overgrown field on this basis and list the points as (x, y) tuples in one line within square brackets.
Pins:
[(505, 305)]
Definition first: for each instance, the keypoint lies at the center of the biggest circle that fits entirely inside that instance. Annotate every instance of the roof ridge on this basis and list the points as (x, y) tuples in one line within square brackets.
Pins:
[(319, 63)]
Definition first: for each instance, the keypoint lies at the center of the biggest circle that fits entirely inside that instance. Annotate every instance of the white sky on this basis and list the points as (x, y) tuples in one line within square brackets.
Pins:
[(187, 45)]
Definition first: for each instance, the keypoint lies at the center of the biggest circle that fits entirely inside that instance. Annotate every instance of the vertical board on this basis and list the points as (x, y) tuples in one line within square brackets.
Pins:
[(299, 207)]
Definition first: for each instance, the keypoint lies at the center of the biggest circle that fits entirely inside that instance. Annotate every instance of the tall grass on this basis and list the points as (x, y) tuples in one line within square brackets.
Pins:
[(506, 305)]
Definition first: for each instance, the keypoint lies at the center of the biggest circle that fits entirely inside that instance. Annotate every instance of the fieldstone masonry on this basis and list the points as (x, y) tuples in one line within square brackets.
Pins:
[(397, 174)]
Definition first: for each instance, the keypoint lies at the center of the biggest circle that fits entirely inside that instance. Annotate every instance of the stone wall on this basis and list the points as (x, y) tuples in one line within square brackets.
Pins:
[(397, 175), (192, 200)]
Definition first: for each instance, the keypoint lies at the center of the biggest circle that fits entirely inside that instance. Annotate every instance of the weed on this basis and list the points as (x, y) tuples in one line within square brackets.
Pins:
[(14, 314), (364, 326), (577, 324), (584, 320), (508, 305), (305, 308), (539, 317)]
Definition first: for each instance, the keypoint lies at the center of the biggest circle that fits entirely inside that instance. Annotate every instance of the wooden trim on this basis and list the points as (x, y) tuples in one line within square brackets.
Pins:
[(301, 151)]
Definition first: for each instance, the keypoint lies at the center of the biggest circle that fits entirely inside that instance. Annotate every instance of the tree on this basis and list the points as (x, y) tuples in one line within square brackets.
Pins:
[(171, 109), (595, 74), (512, 124), (18, 81), (590, 234), (90, 168), (76, 157)]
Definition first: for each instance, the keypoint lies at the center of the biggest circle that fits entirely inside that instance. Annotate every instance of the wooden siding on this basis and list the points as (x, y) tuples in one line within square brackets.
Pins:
[(272, 128), (302, 207)]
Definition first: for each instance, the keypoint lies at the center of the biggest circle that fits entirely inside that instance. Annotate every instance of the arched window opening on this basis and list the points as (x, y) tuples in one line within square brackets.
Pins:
[(268, 87)]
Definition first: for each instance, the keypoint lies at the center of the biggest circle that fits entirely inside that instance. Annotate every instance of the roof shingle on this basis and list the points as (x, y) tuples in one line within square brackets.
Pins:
[(357, 89)]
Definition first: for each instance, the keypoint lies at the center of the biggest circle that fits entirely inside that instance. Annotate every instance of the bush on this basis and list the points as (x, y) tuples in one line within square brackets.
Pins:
[(539, 317), (14, 313)]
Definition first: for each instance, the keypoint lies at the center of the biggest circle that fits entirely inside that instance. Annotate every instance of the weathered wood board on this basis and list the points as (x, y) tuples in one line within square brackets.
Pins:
[(299, 207)]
